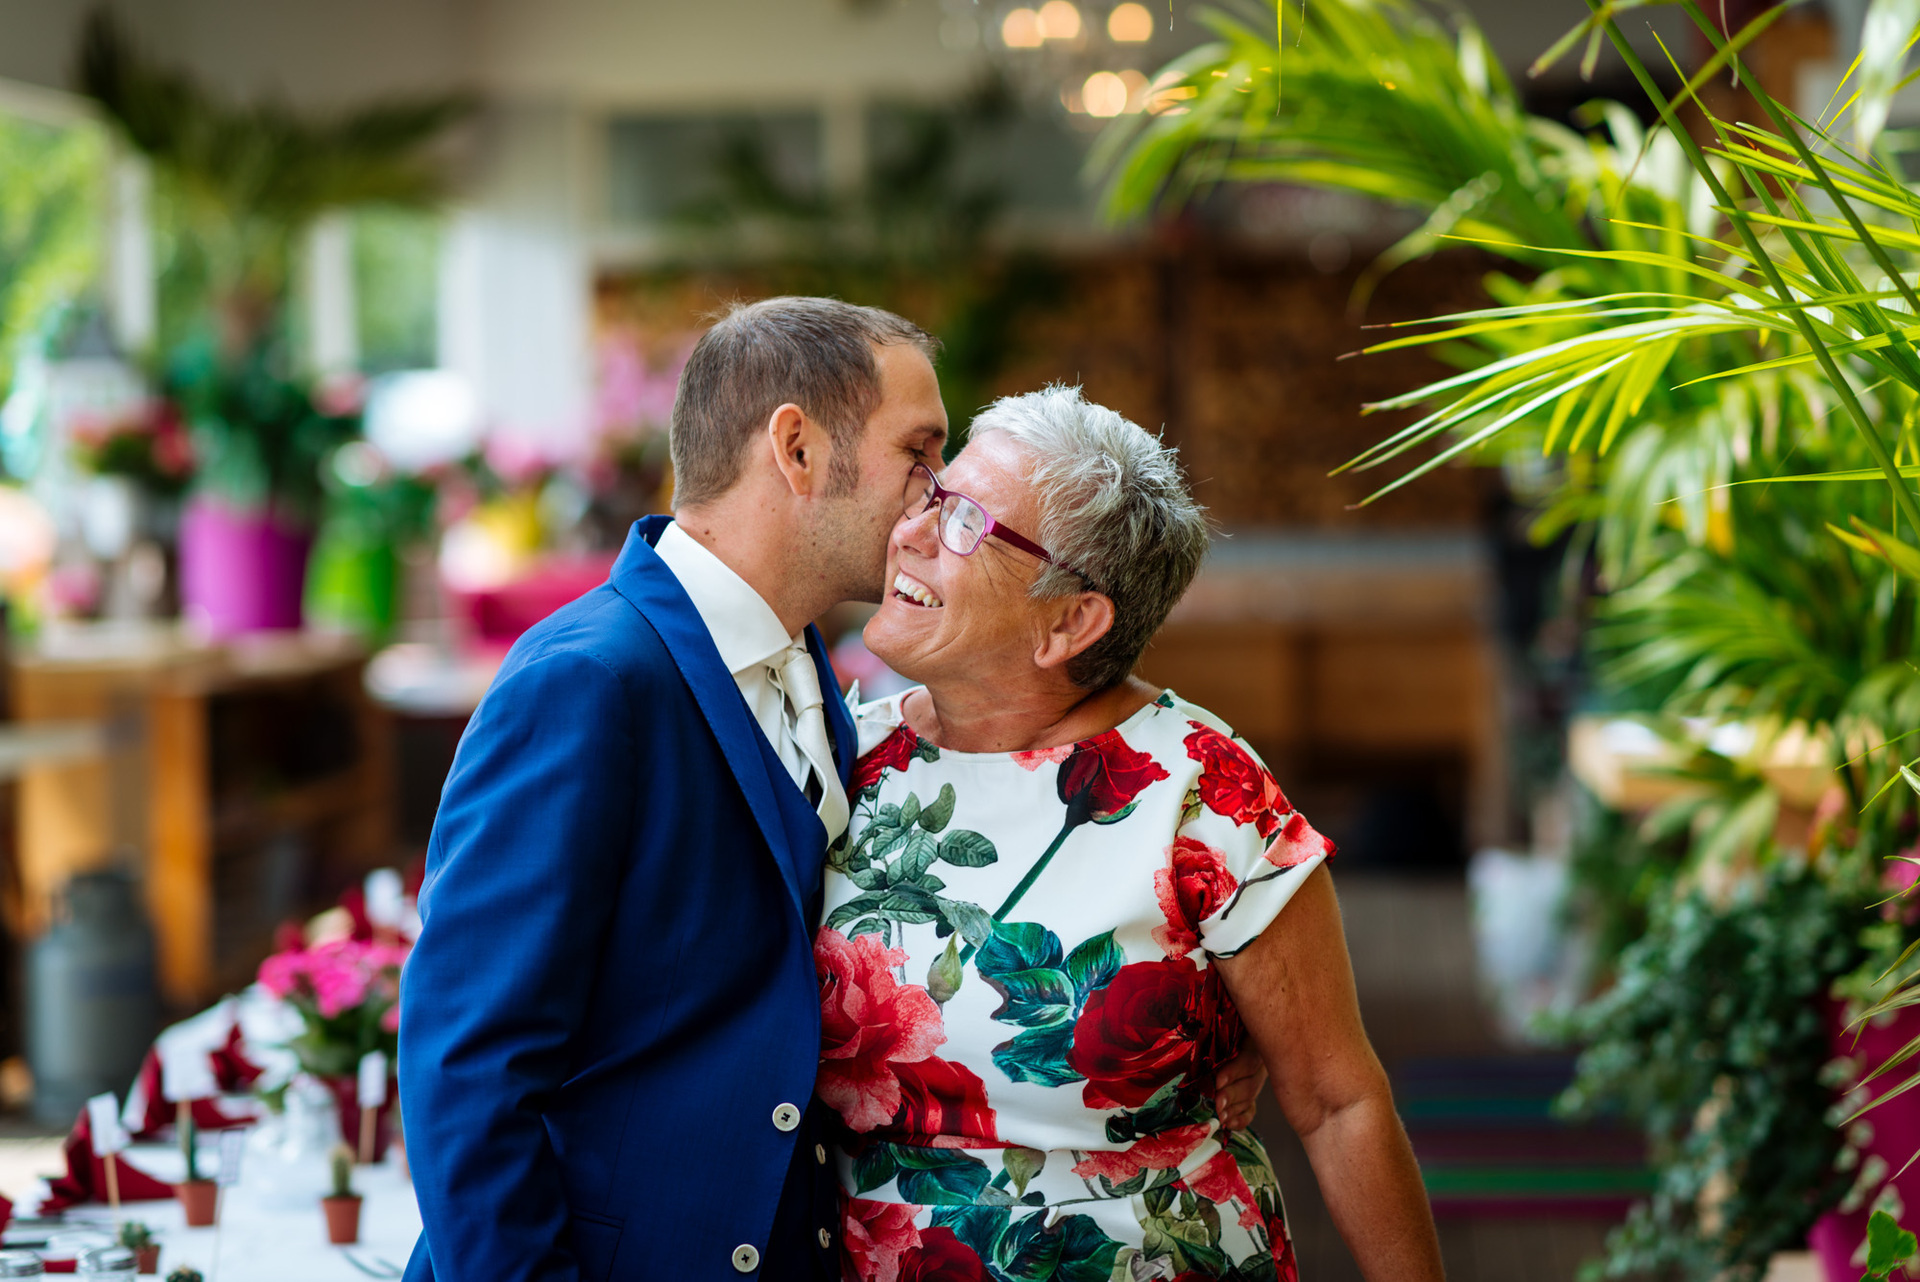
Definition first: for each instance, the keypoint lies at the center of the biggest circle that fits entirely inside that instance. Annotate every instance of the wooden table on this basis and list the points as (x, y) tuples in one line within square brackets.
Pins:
[(248, 782)]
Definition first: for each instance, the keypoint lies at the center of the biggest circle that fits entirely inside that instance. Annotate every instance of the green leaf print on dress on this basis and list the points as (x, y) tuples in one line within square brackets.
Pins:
[(1027, 1249), (1043, 993), (892, 860)]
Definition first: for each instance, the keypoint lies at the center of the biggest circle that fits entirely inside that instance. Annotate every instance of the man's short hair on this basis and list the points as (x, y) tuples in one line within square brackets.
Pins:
[(815, 352)]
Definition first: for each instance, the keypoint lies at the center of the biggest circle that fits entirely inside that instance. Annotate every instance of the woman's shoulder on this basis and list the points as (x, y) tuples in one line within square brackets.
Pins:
[(1173, 719)]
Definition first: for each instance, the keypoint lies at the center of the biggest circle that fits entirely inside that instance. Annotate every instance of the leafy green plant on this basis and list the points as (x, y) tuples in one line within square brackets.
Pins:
[(1713, 1037), (1889, 1247)]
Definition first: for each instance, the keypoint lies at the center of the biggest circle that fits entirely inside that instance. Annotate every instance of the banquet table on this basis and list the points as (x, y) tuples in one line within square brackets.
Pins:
[(261, 1238)]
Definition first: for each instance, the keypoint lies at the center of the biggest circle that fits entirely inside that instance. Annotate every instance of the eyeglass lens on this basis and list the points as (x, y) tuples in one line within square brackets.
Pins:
[(962, 523)]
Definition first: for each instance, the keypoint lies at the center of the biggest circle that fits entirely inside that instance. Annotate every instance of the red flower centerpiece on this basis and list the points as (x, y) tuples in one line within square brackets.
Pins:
[(1156, 1021), (347, 992), (1194, 885), (1233, 784)]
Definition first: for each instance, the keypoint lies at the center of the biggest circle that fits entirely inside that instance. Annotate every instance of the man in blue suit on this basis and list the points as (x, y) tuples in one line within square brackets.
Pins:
[(610, 1024)]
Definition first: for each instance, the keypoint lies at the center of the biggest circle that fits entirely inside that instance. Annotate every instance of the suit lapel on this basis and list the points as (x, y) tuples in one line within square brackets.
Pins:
[(645, 581)]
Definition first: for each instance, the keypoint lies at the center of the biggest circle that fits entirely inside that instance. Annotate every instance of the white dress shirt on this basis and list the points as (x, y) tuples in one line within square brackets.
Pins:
[(747, 633)]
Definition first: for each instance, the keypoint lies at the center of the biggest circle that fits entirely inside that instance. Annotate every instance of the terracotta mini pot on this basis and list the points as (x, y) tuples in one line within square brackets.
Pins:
[(198, 1198), (343, 1219), (147, 1258)]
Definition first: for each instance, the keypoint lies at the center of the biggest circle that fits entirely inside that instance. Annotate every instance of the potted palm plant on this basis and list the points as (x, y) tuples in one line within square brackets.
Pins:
[(244, 184), (1709, 342)]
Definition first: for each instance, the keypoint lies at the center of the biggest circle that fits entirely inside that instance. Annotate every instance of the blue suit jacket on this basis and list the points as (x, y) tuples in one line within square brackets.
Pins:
[(613, 990)]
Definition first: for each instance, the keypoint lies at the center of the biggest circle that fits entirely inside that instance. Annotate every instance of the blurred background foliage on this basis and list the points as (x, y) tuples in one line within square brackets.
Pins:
[(51, 198)]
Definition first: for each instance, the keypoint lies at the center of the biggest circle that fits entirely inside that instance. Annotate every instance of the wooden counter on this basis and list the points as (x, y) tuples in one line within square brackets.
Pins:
[(246, 782)]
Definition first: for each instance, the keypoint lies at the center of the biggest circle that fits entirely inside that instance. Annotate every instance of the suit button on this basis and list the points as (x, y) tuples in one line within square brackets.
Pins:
[(820, 1154), (826, 1239), (745, 1258), (786, 1117)]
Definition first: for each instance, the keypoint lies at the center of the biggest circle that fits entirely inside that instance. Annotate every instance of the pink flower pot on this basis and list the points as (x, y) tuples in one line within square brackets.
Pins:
[(240, 571), (1896, 1137)]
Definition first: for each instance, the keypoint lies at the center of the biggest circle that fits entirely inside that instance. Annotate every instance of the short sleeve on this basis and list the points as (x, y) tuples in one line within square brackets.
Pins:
[(1241, 850)]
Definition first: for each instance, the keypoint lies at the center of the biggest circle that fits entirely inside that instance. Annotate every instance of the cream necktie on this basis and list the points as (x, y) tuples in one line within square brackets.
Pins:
[(801, 683)]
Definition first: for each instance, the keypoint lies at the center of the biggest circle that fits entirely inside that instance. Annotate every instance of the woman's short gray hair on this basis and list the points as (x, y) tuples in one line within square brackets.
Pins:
[(1114, 506)]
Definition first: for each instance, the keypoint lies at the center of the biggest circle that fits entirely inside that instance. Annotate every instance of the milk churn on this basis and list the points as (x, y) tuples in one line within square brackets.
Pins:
[(92, 1009)]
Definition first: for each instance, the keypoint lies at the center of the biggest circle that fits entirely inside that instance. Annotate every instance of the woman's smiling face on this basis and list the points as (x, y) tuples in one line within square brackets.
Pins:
[(951, 616)]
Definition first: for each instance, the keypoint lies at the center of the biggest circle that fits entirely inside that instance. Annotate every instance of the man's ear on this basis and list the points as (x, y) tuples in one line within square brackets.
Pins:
[(801, 449), (1082, 620)]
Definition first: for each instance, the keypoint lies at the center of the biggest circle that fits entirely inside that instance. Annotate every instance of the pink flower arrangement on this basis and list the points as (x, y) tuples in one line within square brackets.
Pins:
[(348, 993)]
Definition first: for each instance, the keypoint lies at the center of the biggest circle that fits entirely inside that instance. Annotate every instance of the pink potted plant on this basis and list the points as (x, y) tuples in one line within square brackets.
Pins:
[(347, 992)]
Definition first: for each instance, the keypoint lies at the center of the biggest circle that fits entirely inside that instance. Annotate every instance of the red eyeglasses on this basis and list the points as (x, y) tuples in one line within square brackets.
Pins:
[(964, 523)]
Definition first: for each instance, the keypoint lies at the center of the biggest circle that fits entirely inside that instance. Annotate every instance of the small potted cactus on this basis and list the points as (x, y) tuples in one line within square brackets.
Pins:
[(138, 1238), (185, 1274), (198, 1197), (343, 1206)]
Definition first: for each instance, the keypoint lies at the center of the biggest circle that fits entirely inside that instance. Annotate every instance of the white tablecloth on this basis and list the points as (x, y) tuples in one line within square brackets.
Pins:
[(261, 1239)]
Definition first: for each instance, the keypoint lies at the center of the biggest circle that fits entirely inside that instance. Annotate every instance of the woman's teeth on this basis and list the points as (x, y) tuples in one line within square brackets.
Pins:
[(915, 592)]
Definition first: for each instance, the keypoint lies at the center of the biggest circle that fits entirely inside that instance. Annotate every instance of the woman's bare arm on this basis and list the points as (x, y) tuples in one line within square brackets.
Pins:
[(1294, 988)]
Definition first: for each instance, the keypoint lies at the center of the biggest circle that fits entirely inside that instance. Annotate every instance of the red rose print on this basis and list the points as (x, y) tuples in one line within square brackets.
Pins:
[(1155, 1153), (944, 1103), (892, 753), (1152, 1023), (1101, 777), (1287, 1265), (869, 1022), (875, 1235), (942, 1257), (1232, 783), (1297, 843), (1193, 886), (1220, 1182)]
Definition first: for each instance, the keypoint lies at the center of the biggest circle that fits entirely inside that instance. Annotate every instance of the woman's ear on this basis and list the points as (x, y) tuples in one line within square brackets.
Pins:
[(1080, 621), (800, 449)]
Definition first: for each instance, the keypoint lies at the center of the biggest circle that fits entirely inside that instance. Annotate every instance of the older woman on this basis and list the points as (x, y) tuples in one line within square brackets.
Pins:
[(1066, 896)]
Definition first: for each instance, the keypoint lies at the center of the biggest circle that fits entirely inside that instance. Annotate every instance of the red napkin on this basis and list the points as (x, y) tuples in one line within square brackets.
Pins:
[(231, 1069), (86, 1177)]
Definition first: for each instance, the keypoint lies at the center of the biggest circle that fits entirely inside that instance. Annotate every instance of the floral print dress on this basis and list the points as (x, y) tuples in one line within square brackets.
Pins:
[(1021, 1021)]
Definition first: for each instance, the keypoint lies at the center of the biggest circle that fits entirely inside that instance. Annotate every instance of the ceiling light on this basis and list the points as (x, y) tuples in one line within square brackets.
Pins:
[(1130, 24), (1021, 30), (1059, 20), (1105, 94)]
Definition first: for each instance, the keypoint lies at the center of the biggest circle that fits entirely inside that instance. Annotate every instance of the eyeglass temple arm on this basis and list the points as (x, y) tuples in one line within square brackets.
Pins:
[(1028, 546)]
